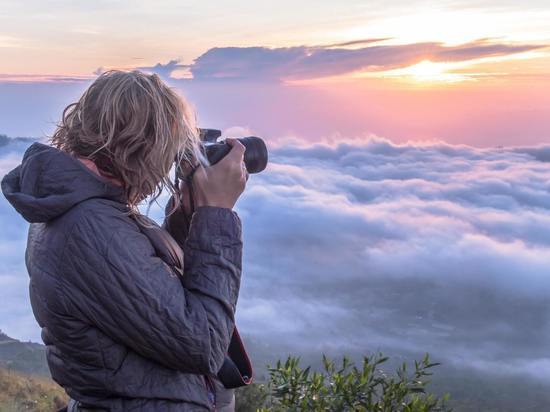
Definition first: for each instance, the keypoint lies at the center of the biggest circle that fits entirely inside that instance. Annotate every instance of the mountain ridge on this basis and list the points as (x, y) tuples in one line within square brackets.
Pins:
[(26, 357)]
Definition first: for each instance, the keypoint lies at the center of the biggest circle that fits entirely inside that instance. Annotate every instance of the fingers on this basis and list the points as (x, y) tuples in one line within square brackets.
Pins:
[(235, 158), (244, 171), (237, 150)]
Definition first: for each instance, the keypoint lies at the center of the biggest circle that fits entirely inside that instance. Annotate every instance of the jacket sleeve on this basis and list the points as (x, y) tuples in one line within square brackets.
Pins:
[(179, 227), (132, 296)]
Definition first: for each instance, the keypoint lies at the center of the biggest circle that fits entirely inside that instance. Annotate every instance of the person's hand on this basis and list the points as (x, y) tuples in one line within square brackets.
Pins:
[(219, 185)]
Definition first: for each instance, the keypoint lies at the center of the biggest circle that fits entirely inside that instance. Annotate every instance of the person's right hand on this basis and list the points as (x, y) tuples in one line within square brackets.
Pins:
[(221, 185)]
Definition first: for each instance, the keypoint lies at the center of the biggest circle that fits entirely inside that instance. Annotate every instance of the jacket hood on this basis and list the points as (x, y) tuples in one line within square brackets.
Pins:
[(49, 182)]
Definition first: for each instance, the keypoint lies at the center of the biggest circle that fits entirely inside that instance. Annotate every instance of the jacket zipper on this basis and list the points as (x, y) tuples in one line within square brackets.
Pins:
[(211, 391)]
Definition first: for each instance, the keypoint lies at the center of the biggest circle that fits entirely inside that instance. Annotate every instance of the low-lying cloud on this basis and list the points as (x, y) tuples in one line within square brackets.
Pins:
[(366, 245), (369, 245)]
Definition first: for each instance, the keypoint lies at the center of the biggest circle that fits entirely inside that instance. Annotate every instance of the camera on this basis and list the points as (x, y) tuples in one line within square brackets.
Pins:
[(255, 155)]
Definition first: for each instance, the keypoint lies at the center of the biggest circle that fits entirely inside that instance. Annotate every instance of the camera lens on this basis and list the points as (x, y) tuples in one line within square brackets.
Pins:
[(255, 156)]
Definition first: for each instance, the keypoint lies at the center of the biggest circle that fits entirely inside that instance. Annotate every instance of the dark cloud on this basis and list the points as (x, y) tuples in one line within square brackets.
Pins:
[(540, 153), (164, 70), (304, 62)]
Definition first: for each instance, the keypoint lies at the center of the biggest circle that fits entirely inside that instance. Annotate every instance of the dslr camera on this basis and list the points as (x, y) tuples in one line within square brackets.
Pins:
[(255, 155)]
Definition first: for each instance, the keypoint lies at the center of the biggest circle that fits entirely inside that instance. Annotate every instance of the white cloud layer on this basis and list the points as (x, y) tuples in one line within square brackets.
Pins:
[(369, 245), (407, 248)]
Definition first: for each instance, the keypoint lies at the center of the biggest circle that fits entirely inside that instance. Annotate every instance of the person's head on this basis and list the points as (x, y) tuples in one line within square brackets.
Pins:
[(132, 126)]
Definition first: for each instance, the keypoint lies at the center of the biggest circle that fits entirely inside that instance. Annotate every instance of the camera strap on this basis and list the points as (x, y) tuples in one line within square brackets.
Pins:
[(188, 181), (236, 369)]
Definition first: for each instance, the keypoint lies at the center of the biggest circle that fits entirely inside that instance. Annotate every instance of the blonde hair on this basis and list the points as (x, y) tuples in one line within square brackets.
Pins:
[(133, 127)]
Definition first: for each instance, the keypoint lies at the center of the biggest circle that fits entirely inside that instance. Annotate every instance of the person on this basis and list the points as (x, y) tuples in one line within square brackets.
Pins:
[(123, 330)]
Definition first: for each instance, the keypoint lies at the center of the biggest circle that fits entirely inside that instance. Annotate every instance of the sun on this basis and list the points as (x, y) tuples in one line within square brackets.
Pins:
[(428, 72)]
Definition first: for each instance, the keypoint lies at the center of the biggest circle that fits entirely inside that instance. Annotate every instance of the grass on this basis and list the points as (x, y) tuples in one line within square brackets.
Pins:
[(23, 392)]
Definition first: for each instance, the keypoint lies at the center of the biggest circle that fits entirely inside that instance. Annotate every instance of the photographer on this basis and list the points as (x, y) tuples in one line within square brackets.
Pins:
[(124, 330)]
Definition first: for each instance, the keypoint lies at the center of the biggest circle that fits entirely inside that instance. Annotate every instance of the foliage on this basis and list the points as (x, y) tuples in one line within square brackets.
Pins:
[(348, 388), (251, 398)]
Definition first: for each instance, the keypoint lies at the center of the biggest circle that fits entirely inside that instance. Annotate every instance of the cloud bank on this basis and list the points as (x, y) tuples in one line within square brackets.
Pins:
[(368, 245), (307, 62)]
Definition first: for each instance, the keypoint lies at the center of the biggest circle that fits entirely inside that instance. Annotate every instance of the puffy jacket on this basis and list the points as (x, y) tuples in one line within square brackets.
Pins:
[(121, 330)]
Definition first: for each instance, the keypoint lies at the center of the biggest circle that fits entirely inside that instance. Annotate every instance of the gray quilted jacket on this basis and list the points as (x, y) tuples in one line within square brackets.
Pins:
[(121, 330)]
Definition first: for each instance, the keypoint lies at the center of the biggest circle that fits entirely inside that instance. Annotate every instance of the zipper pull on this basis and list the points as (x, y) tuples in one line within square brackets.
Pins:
[(211, 391)]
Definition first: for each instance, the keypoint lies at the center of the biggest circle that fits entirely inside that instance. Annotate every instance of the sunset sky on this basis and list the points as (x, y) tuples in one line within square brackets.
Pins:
[(474, 72)]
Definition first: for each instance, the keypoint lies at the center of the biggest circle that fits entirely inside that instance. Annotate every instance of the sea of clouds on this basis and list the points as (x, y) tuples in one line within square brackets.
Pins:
[(364, 245)]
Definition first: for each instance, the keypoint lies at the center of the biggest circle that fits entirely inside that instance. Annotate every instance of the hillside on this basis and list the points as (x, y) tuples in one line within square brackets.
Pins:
[(25, 382), (27, 357)]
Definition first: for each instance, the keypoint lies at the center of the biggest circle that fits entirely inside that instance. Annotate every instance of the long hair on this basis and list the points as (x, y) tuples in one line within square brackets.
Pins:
[(133, 127)]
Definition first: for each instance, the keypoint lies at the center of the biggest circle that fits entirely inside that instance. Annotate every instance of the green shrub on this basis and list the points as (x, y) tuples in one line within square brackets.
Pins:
[(345, 387)]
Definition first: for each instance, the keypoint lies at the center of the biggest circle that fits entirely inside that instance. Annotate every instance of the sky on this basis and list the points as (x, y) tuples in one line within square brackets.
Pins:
[(466, 72), (406, 206)]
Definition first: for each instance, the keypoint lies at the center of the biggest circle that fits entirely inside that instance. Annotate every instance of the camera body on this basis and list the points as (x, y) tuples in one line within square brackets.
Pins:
[(255, 155)]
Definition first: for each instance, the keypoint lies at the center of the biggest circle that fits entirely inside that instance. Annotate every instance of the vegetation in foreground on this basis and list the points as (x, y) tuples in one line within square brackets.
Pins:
[(344, 387), (25, 385), (23, 392)]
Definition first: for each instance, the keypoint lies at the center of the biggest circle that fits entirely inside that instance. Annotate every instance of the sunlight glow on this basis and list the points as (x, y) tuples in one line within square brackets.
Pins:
[(429, 72), (425, 72)]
